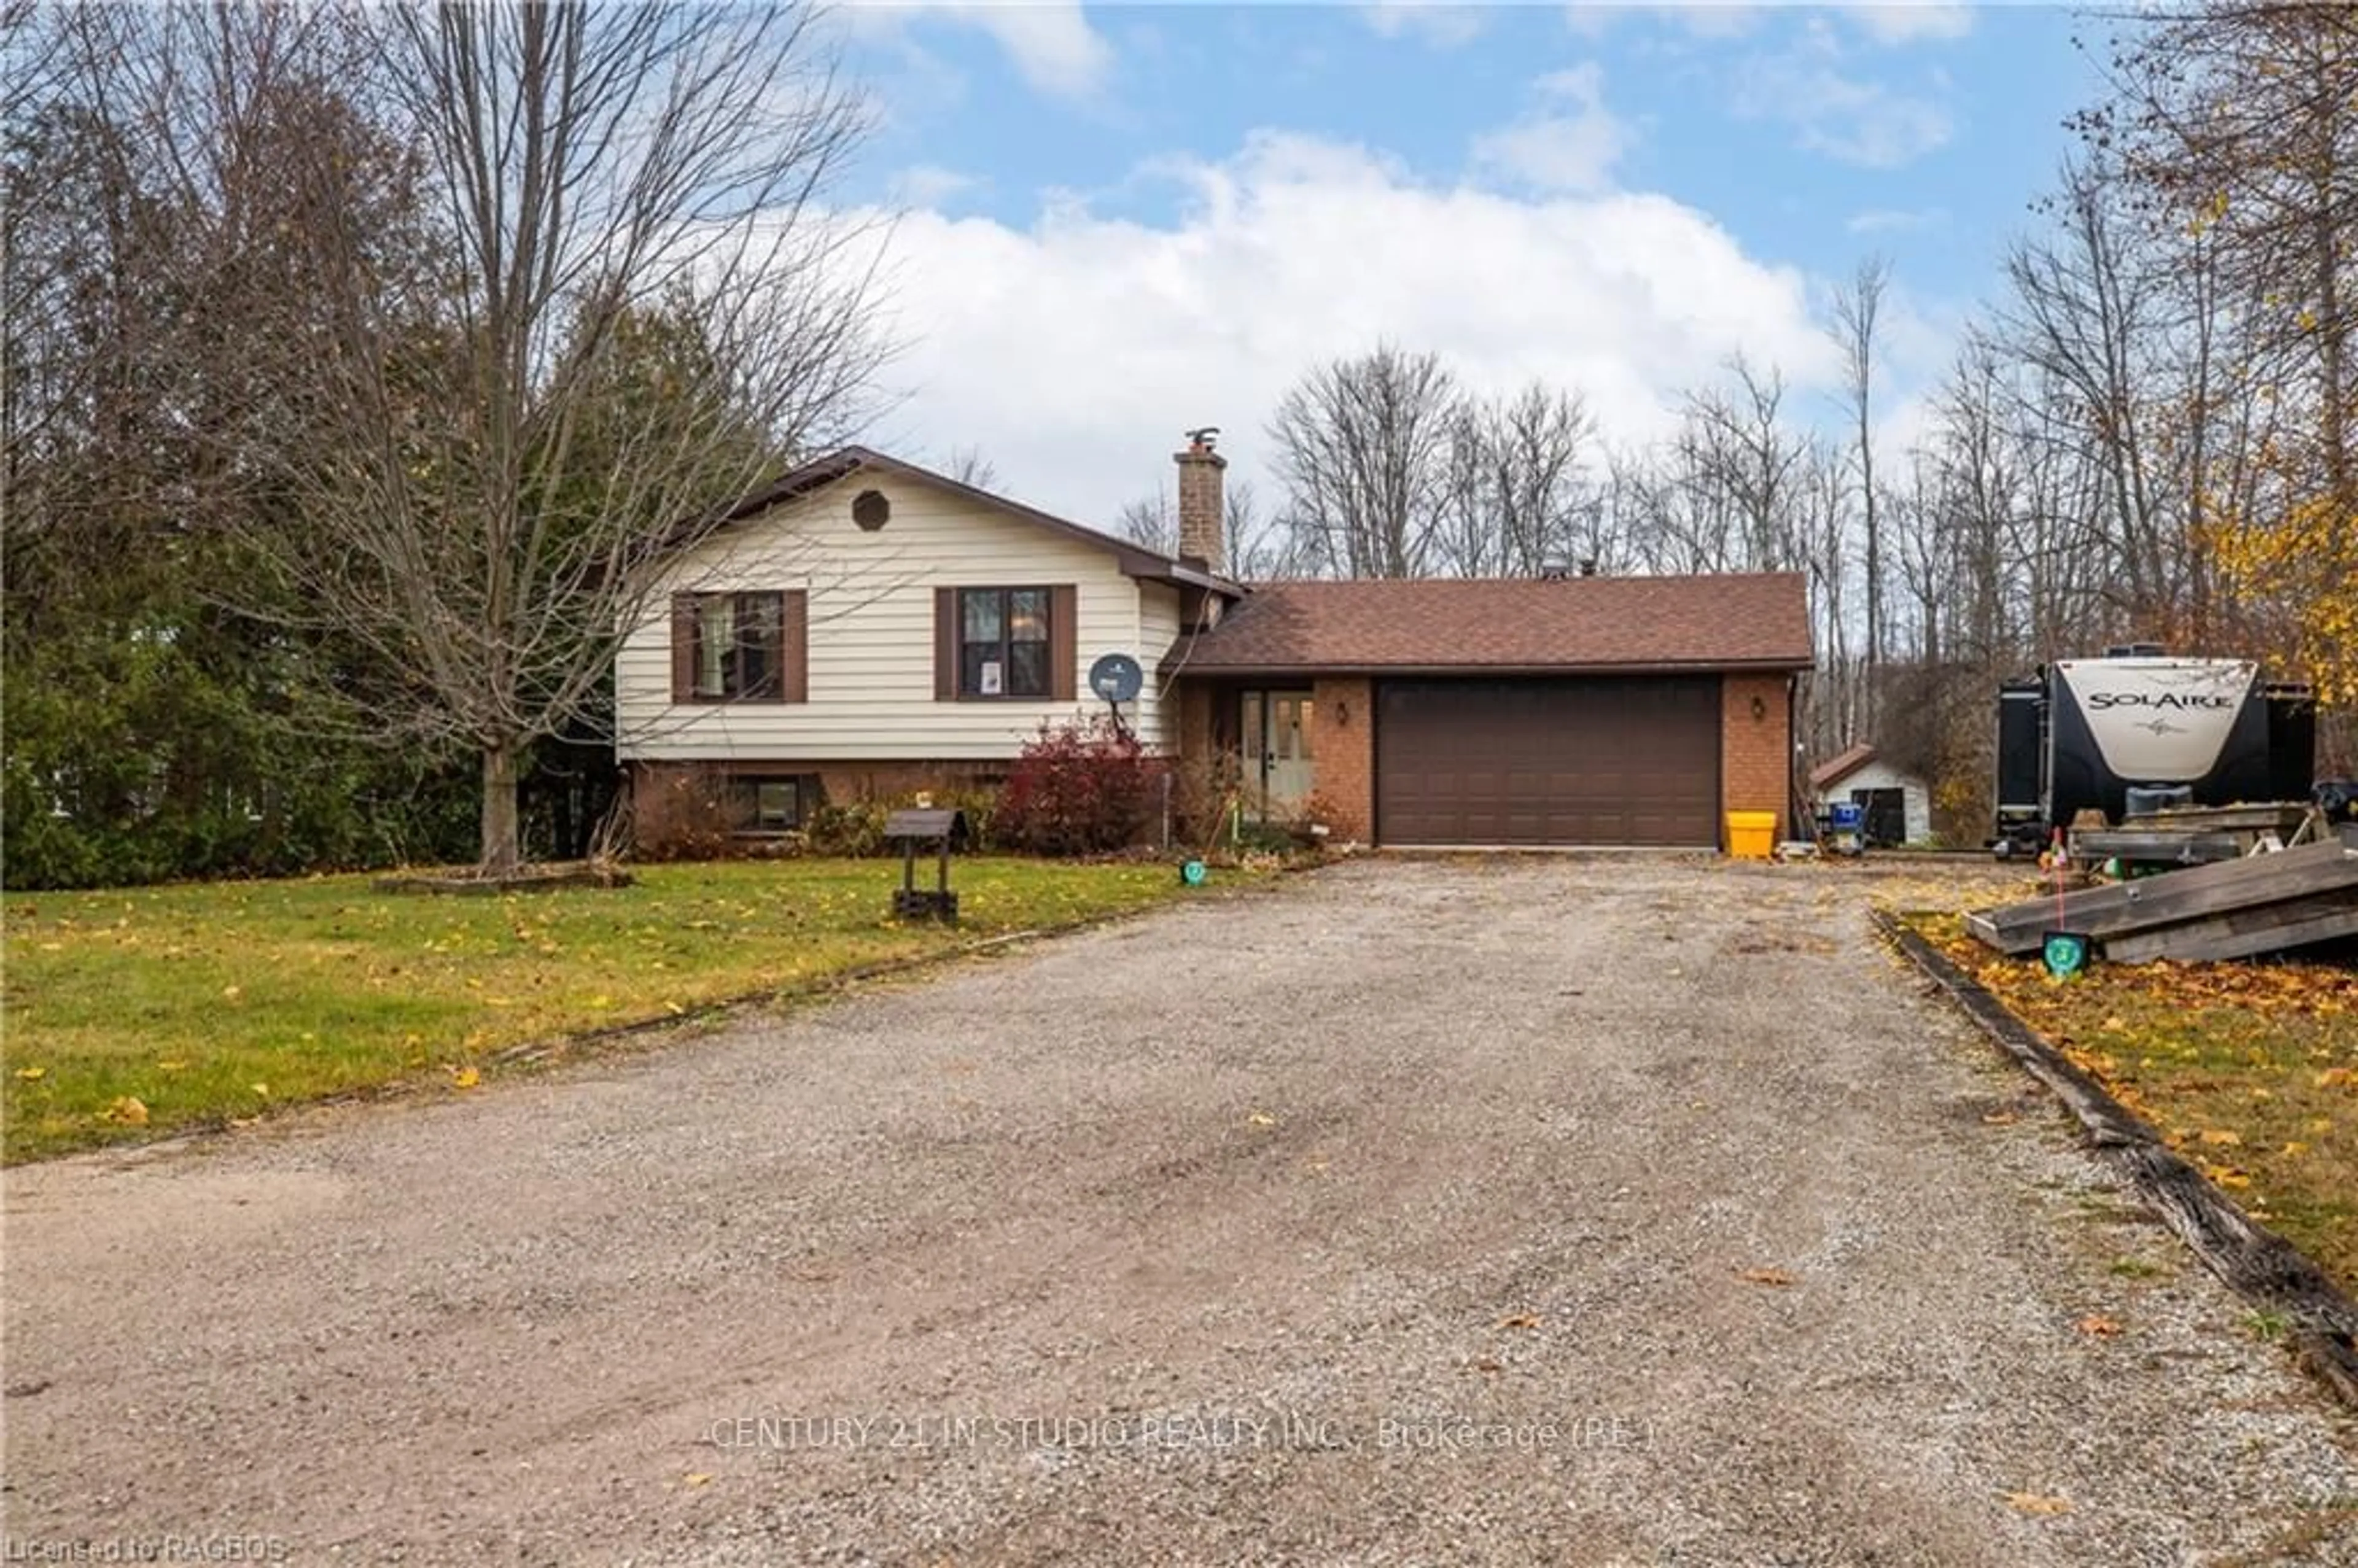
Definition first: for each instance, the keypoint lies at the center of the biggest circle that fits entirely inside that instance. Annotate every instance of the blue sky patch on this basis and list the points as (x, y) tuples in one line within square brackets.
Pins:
[(1143, 200)]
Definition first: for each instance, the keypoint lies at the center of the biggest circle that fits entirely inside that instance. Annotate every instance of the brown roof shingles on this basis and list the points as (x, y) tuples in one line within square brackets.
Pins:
[(1841, 765), (1751, 620)]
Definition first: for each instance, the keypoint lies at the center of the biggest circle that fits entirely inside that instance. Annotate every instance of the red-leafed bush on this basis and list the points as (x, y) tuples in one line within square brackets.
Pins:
[(1081, 788)]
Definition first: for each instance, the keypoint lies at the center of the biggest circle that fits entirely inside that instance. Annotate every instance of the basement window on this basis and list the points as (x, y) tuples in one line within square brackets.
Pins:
[(772, 805)]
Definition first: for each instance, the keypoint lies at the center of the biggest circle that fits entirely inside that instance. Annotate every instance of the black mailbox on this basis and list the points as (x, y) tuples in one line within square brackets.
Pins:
[(939, 830)]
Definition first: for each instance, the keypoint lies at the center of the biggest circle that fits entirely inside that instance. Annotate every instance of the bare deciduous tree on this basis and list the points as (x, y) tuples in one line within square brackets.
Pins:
[(1517, 495), (1151, 521), (645, 310), (970, 466), (1857, 304), (1253, 554), (1362, 446)]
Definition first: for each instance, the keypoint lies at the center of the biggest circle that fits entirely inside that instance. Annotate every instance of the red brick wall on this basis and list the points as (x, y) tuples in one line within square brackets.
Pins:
[(886, 781), (1756, 755), (1343, 751), (840, 781), (1194, 736)]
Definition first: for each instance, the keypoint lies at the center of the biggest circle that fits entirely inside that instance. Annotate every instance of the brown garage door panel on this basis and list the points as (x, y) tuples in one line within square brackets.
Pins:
[(1598, 761)]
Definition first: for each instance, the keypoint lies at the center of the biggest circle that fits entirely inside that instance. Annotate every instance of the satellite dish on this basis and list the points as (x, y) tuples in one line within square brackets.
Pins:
[(1116, 677)]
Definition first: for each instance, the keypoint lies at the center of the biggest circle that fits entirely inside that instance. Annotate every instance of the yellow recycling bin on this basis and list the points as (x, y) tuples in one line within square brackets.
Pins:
[(1752, 835)]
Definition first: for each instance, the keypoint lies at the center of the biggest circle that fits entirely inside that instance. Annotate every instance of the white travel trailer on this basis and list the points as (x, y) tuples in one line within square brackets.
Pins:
[(2083, 733)]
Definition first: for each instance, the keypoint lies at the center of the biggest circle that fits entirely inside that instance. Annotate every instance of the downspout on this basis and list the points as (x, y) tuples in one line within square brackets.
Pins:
[(1793, 791)]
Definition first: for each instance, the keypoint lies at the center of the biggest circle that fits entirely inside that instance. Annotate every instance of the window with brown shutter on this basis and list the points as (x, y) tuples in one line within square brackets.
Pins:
[(741, 647), (1064, 641), (1004, 642), (945, 651)]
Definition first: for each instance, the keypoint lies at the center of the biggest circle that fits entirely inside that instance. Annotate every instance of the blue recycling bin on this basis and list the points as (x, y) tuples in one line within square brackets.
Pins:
[(1846, 827)]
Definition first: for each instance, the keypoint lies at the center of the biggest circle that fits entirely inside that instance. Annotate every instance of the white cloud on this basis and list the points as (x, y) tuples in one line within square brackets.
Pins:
[(1442, 25), (931, 185), (1856, 119), (1886, 21), (1073, 351), (1897, 220), (1718, 18), (1710, 19), (1570, 142), (1049, 42), (1913, 21)]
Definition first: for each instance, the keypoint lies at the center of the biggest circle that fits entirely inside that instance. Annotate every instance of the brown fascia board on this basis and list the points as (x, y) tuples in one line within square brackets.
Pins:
[(1136, 560), (1827, 774), (1178, 664)]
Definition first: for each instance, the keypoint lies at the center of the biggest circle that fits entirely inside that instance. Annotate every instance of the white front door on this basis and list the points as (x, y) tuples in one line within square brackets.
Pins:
[(1277, 752)]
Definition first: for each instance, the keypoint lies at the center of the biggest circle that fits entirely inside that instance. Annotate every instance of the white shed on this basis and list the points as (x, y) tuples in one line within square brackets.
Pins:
[(1899, 805)]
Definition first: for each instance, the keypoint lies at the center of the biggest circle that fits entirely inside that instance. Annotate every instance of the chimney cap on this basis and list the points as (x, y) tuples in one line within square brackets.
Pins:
[(1203, 439)]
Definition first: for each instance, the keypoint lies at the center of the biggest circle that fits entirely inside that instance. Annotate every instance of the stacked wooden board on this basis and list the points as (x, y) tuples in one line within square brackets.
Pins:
[(2192, 834), (2235, 909)]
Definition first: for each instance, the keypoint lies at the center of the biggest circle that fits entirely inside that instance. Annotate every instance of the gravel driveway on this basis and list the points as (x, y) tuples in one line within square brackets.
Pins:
[(1404, 1214)]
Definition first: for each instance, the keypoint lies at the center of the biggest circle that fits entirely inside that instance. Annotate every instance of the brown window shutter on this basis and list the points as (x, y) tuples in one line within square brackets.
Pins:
[(1064, 641), (794, 676), (946, 648), (683, 647)]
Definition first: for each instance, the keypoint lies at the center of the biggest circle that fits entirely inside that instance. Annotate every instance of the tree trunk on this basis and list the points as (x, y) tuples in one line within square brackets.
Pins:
[(502, 841)]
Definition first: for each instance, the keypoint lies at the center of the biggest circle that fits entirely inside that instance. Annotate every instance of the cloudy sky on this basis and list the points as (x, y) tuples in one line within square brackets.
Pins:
[(1117, 222)]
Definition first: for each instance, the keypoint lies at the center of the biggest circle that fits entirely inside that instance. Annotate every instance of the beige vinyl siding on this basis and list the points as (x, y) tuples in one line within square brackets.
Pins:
[(1158, 622), (871, 631)]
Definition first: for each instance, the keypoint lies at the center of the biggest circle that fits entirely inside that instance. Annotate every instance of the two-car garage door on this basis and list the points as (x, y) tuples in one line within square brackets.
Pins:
[(1603, 761)]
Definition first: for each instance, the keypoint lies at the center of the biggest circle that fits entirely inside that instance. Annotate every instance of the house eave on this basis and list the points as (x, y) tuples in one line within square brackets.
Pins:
[(1178, 664), (1181, 574), (1134, 560)]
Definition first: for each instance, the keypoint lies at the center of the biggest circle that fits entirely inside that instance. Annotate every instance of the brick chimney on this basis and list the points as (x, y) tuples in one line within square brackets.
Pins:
[(1203, 501)]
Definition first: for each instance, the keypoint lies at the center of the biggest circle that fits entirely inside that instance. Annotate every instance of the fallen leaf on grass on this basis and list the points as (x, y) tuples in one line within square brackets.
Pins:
[(171, 1066), (1766, 1277), (30, 1073), (127, 1110), (2097, 1326), (465, 1078), (2033, 1503), (2219, 1137)]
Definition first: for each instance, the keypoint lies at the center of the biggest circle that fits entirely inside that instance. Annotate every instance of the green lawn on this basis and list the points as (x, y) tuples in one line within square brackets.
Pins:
[(145, 1011), (2249, 1071)]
